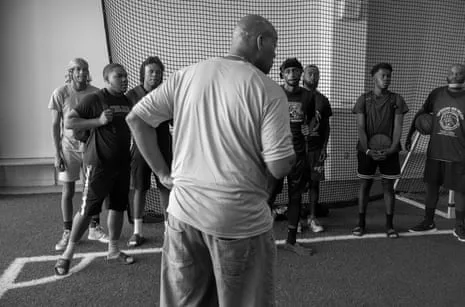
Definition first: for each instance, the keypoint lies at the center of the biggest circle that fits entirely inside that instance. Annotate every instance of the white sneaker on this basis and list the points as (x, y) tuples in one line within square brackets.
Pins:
[(97, 234), (61, 245), (315, 225)]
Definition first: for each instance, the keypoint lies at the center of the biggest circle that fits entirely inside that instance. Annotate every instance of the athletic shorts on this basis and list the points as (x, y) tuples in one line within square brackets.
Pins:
[(388, 169), (299, 176), (451, 175), (73, 166), (101, 182), (141, 171), (317, 167)]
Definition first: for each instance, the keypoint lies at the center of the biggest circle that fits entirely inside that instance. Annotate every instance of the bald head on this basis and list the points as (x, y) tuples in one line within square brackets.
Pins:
[(456, 76), (254, 38)]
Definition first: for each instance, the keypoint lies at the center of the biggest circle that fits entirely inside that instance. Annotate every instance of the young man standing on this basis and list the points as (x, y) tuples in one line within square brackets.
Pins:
[(301, 112), (151, 76), (380, 114), (107, 160), (317, 136), (445, 162), (68, 150)]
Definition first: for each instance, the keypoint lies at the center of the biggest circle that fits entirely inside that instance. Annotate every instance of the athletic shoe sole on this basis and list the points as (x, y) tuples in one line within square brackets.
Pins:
[(457, 236), (423, 231)]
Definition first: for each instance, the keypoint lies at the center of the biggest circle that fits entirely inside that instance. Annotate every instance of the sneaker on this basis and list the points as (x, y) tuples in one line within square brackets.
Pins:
[(61, 245), (298, 249), (459, 233), (97, 234), (315, 225), (424, 226), (136, 240)]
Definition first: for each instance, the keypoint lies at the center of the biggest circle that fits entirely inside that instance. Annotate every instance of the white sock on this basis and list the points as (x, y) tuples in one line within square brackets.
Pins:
[(138, 226), (113, 248)]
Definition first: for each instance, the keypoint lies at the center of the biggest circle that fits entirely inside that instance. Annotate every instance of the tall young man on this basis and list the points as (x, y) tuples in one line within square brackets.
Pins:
[(68, 150), (380, 114), (317, 137), (445, 163), (231, 130), (107, 160), (151, 76), (301, 112)]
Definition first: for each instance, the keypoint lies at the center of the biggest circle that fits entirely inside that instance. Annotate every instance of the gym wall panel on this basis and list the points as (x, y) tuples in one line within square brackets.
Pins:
[(39, 38)]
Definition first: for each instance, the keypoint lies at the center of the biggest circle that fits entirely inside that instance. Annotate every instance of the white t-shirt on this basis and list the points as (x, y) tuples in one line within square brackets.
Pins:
[(63, 100), (229, 118)]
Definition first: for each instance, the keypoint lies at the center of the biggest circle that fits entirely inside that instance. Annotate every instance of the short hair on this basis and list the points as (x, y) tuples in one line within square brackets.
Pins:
[(312, 66), (109, 68), (149, 60), (72, 65), (379, 66)]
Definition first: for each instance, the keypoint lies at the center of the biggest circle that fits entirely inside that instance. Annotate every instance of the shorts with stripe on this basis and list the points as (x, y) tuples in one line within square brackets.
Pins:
[(451, 175), (102, 182), (388, 169)]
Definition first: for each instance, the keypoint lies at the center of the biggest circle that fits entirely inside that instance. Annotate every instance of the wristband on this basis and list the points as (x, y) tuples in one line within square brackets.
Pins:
[(368, 150)]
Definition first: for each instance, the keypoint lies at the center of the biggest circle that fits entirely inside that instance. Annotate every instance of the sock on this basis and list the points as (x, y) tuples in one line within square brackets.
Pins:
[(459, 218), (429, 215), (138, 226), (69, 251), (113, 248), (94, 222), (389, 218), (361, 219), (291, 235), (67, 225)]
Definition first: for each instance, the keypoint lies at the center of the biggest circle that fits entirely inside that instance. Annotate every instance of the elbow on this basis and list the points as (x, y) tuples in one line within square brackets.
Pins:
[(132, 120)]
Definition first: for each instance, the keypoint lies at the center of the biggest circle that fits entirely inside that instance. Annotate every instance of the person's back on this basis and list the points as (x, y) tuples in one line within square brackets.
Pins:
[(231, 135), (221, 172)]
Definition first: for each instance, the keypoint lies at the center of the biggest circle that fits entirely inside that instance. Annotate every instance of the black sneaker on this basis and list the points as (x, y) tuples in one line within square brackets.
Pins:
[(459, 233), (424, 226)]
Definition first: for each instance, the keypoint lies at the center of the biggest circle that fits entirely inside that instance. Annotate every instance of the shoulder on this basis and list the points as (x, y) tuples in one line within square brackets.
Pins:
[(61, 92)]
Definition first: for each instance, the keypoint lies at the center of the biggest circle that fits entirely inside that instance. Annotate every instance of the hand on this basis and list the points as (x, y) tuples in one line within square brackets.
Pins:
[(323, 154), (167, 181), (171, 128), (106, 117), (305, 129), (376, 155), (60, 162)]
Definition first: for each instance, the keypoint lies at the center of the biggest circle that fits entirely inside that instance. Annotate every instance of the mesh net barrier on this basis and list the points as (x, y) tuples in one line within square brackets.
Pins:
[(344, 38)]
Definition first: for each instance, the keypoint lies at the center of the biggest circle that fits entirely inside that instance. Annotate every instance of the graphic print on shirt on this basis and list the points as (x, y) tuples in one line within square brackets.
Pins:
[(449, 120), (296, 112)]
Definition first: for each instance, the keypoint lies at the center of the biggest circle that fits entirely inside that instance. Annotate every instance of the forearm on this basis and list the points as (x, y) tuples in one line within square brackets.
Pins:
[(326, 135), (363, 139), (56, 137), (82, 123), (146, 139)]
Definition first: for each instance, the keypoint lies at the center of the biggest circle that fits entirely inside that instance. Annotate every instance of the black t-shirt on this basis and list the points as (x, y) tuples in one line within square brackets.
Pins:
[(316, 138), (301, 111), (108, 145), (447, 141), (164, 137)]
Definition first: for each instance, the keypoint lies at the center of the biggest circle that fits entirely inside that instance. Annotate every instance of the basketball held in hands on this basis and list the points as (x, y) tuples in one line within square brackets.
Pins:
[(379, 142), (424, 123)]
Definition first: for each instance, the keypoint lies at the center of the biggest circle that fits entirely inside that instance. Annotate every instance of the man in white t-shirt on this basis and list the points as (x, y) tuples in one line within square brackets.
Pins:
[(231, 136)]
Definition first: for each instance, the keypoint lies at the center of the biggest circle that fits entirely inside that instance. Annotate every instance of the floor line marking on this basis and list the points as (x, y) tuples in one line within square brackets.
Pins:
[(7, 280)]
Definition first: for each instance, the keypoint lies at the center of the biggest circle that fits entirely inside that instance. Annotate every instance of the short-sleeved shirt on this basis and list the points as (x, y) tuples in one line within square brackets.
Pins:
[(163, 130), (63, 100), (447, 141), (316, 139), (229, 119), (301, 110), (108, 145), (380, 112)]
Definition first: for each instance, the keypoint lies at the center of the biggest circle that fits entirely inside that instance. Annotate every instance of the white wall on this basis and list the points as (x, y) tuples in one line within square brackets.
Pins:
[(39, 38)]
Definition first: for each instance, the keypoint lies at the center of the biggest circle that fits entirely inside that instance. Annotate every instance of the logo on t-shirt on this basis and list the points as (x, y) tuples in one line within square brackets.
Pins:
[(295, 112), (449, 120)]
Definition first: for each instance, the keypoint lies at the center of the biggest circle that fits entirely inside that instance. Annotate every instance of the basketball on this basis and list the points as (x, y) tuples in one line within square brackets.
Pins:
[(379, 142), (424, 123)]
